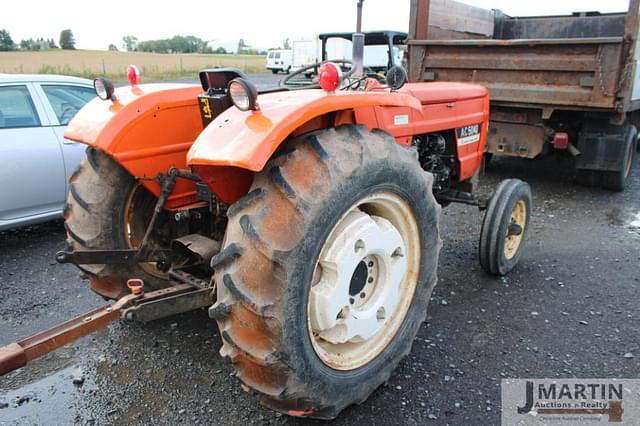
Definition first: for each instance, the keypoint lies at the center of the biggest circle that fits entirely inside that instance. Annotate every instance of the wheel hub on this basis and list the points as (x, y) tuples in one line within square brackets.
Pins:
[(358, 279), (517, 222)]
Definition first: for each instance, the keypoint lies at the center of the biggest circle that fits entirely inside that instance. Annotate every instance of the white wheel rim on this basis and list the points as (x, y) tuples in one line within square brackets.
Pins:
[(364, 281)]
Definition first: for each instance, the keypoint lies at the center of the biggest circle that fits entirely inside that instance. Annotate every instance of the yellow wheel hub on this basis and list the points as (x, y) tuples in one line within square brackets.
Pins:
[(515, 231)]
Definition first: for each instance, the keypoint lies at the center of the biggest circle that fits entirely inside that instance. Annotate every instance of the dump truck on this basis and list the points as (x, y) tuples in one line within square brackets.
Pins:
[(557, 83), (305, 220)]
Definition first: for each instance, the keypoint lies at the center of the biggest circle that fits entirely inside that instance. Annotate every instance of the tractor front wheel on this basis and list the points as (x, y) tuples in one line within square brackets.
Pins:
[(504, 227), (327, 269)]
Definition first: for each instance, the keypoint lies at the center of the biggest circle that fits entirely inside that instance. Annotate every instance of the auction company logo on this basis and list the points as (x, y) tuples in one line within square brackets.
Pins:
[(571, 401)]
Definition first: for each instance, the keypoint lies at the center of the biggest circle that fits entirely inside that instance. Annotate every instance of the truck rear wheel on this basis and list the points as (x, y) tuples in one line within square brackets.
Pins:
[(326, 271), (108, 209), (504, 227), (617, 180)]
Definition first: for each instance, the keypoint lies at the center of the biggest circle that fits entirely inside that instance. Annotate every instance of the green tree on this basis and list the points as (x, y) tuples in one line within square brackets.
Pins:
[(220, 50), (52, 44), (176, 44), (6, 42), (286, 43), (157, 46), (130, 43), (32, 44), (67, 41), (113, 47), (25, 44)]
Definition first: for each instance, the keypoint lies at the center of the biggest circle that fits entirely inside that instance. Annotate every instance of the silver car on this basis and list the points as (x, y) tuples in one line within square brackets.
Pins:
[(35, 158)]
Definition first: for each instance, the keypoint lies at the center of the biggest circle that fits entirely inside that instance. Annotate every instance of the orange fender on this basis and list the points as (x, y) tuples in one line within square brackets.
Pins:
[(247, 139), (148, 130)]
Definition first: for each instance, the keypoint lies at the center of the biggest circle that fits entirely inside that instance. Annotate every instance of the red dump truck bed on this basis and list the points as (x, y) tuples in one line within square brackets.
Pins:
[(556, 82), (585, 60)]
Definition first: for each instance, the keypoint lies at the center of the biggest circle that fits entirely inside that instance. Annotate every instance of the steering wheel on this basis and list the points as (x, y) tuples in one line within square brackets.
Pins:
[(286, 82), (67, 114), (369, 72)]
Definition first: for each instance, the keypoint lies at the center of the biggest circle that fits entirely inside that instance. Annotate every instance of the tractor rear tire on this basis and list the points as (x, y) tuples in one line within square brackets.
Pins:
[(270, 266), (501, 248), (105, 206)]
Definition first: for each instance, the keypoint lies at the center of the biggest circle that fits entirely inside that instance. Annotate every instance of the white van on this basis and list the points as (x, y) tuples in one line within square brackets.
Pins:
[(279, 60)]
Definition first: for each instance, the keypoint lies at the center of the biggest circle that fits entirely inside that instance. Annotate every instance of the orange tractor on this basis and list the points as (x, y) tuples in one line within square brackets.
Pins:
[(305, 220)]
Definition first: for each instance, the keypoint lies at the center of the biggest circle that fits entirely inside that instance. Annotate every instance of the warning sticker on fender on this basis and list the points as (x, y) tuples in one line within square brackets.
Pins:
[(468, 134)]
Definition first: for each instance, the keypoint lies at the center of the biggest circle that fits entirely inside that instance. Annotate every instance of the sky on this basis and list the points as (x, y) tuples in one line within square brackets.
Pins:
[(261, 23)]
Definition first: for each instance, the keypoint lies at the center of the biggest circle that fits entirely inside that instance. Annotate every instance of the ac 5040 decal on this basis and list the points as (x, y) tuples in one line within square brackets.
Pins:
[(468, 134)]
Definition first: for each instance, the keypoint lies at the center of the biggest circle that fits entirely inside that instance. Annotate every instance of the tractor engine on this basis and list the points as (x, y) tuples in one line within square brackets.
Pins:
[(435, 158)]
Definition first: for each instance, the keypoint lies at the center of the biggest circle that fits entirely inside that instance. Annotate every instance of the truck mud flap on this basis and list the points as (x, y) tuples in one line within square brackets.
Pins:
[(602, 147)]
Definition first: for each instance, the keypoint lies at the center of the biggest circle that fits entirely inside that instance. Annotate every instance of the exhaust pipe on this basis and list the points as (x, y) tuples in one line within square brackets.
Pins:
[(357, 40)]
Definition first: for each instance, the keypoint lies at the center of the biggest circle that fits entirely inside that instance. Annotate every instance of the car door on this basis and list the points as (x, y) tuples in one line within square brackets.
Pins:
[(63, 102), (31, 163)]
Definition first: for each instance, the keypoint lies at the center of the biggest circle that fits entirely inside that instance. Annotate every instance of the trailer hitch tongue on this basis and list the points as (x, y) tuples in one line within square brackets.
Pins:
[(139, 305), (18, 354)]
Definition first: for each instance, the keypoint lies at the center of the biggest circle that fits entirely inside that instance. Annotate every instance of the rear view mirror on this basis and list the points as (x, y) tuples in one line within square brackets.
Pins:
[(396, 77)]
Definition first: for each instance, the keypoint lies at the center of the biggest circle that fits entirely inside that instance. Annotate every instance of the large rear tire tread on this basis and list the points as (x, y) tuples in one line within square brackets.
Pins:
[(264, 275), (94, 219)]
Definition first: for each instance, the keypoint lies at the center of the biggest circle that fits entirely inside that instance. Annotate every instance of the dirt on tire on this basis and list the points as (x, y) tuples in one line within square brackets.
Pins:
[(273, 240), (94, 214)]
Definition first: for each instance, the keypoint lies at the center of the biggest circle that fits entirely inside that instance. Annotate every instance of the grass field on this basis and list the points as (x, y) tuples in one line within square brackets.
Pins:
[(94, 63)]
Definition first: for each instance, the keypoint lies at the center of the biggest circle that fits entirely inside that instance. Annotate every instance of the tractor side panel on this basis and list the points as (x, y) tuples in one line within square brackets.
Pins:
[(469, 118), (471, 134), (148, 130)]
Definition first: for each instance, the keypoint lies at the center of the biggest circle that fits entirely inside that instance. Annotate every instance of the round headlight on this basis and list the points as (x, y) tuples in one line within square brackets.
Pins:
[(243, 94), (104, 88)]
